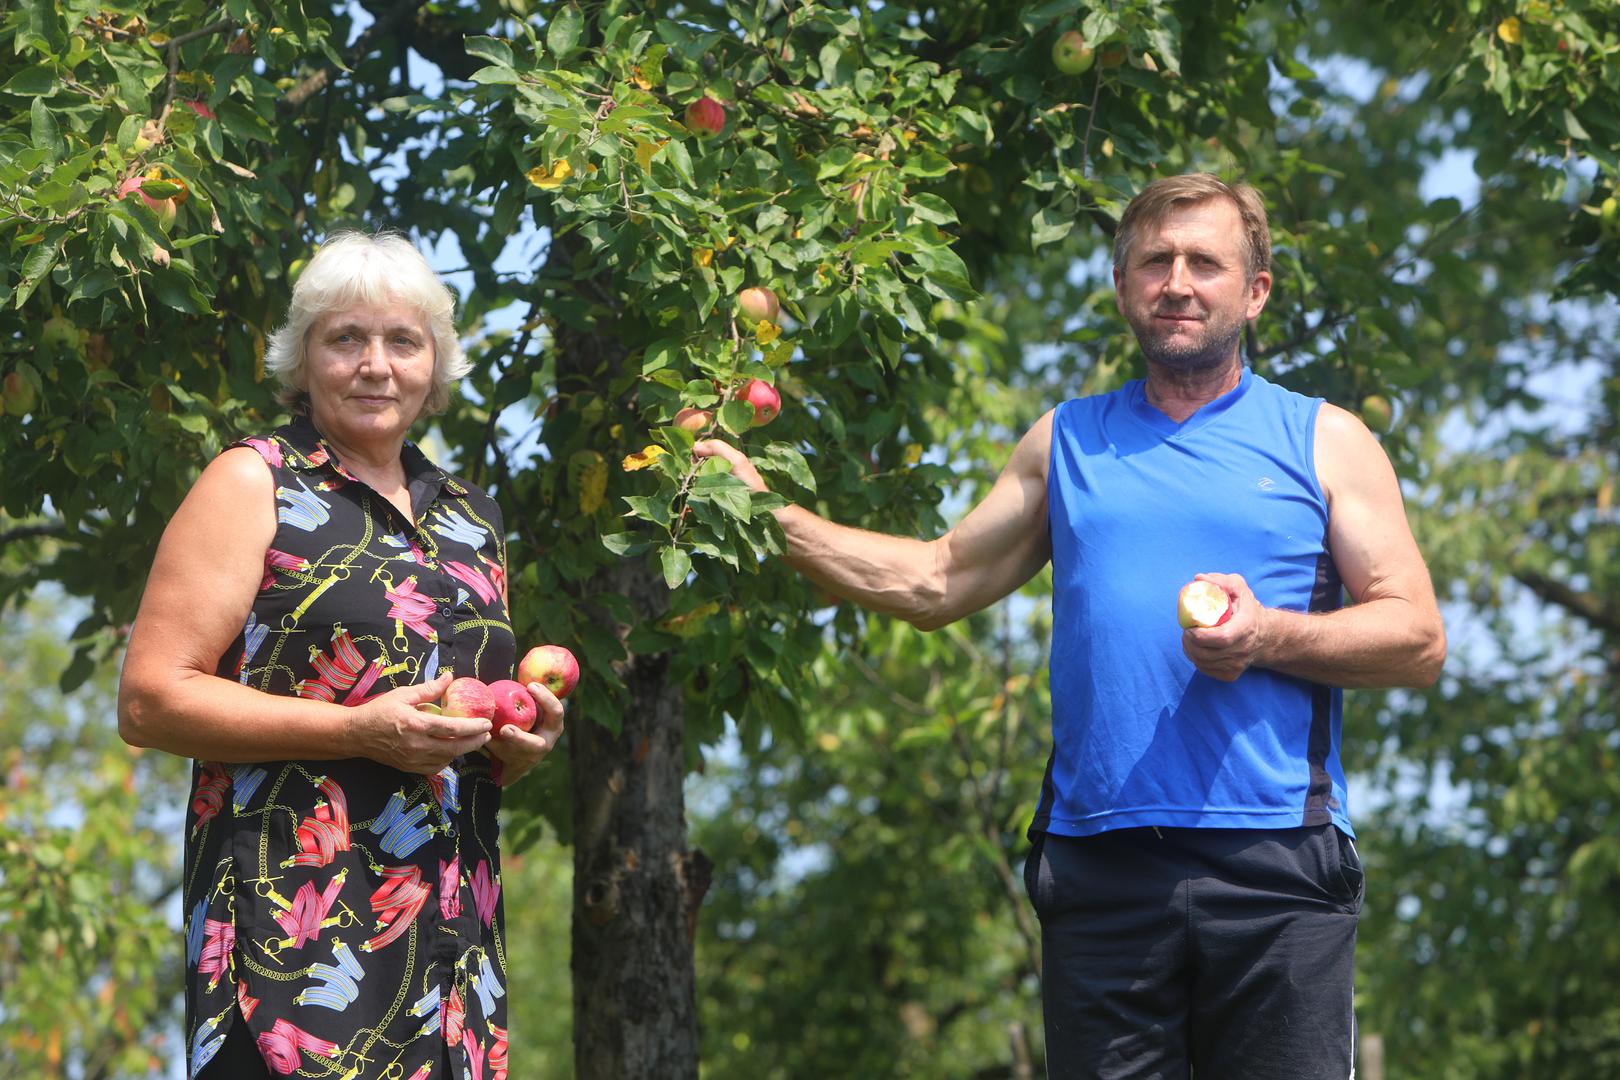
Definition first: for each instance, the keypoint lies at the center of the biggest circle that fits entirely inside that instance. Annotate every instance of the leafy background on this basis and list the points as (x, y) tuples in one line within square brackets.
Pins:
[(933, 202)]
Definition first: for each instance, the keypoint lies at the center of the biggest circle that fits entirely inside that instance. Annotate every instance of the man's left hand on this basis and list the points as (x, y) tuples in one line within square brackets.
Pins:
[(516, 752), (1226, 651)]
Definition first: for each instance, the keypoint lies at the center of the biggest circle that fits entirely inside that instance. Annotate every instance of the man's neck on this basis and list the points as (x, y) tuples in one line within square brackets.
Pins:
[(1178, 394)]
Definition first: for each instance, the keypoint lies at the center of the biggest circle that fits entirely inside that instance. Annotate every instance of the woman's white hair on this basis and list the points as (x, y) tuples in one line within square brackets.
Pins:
[(355, 268)]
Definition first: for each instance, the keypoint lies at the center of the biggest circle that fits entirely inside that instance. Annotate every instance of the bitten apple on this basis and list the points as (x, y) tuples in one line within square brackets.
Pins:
[(1202, 604), (705, 117), (553, 667), (764, 398), (468, 696), (513, 705), (758, 304)]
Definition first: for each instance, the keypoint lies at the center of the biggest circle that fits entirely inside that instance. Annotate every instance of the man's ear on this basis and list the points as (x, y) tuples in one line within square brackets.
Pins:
[(1259, 293), (1119, 301)]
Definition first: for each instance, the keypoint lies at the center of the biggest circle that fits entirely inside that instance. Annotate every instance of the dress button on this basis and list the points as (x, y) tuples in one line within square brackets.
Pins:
[(446, 610)]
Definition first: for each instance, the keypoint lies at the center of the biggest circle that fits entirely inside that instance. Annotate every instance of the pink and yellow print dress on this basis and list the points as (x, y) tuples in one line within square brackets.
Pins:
[(349, 913)]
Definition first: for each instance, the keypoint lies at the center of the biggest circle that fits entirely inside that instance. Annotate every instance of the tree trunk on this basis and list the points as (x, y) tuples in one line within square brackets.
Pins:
[(636, 887)]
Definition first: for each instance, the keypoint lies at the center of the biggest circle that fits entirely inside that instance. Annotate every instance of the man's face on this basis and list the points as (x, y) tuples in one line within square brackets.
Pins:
[(1185, 288)]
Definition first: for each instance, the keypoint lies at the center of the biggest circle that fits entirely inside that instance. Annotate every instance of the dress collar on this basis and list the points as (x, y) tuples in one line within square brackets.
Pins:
[(311, 452)]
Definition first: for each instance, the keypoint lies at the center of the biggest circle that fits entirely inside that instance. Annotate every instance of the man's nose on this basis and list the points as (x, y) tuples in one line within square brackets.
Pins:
[(1178, 281)]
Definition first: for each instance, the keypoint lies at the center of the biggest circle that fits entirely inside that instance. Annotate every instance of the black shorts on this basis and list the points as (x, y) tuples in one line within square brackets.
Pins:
[(1220, 954)]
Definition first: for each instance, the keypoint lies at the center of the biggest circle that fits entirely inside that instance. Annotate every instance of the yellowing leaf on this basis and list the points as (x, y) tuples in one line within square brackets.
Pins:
[(588, 475), (912, 454), (643, 458), (546, 179), (828, 741), (702, 257), (766, 332), (1509, 30), (645, 151), (158, 37)]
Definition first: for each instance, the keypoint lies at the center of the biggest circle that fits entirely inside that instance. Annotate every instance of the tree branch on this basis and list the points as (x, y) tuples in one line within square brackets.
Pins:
[(28, 532), (1583, 604), (1327, 322)]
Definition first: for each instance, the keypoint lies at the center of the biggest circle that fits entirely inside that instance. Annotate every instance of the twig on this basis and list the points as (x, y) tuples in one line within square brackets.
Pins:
[(294, 99), (516, 351), (173, 47), (1091, 119)]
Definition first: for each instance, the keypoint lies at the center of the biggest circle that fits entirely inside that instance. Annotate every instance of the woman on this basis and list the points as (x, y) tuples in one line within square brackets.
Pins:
[(342, 879)]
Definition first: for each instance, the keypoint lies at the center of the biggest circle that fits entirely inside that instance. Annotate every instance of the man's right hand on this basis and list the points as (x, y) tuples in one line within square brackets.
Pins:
[(391, 729), (741, 467)]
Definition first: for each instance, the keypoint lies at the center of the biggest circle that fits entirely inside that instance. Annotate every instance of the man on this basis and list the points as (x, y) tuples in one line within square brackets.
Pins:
[(1192, 867)]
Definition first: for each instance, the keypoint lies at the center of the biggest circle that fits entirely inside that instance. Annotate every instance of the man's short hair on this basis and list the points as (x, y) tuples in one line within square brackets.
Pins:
[(1154, 203)]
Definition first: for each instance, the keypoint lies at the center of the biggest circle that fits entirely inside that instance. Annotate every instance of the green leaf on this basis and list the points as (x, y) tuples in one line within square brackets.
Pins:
[(1050, 225), (492, 49), (625, 544), (661, 354), (37, 81), (737, 417), (45, 133), (786, 459), (40, 259), (653, 508), (564, 30), (676, 563)]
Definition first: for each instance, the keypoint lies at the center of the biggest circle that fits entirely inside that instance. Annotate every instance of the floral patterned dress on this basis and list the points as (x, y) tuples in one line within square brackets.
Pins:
[(348, 913)]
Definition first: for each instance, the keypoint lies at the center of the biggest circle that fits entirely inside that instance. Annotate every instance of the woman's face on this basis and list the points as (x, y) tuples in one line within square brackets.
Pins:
[(369, 370)]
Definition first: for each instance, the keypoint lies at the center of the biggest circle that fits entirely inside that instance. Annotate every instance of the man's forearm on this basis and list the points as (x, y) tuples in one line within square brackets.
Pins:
[(1378, 644), (892, 575)]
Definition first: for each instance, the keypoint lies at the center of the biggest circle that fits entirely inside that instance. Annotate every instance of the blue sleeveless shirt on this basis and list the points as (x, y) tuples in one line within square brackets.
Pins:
[(1137, 505)]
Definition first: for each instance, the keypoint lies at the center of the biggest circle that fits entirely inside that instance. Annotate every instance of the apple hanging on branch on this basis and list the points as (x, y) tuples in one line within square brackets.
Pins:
[(696, 421), (1070, 53), (705, 117), (767, 403), (1202, 604), (758, 304)]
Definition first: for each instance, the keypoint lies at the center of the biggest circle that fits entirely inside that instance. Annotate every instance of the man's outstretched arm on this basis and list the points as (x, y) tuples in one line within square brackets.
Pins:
[(999, 545), (1390, 635)]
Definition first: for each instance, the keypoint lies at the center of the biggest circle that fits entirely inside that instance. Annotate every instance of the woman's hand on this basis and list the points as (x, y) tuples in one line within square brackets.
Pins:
[(516, 752), (391, 729)]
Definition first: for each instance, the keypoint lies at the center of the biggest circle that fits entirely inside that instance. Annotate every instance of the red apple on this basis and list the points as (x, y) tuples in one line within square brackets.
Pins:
[(163, 208), (468, 696), (1113, 54), (705, 117), (553, 667), (1202, 604), (758, 305), (1071, 55), (513, 705), (764, 398), (694, 420)]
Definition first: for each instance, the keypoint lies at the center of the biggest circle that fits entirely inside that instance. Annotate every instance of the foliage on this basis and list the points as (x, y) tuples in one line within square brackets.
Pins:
[(89, 861), (933, 203)]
